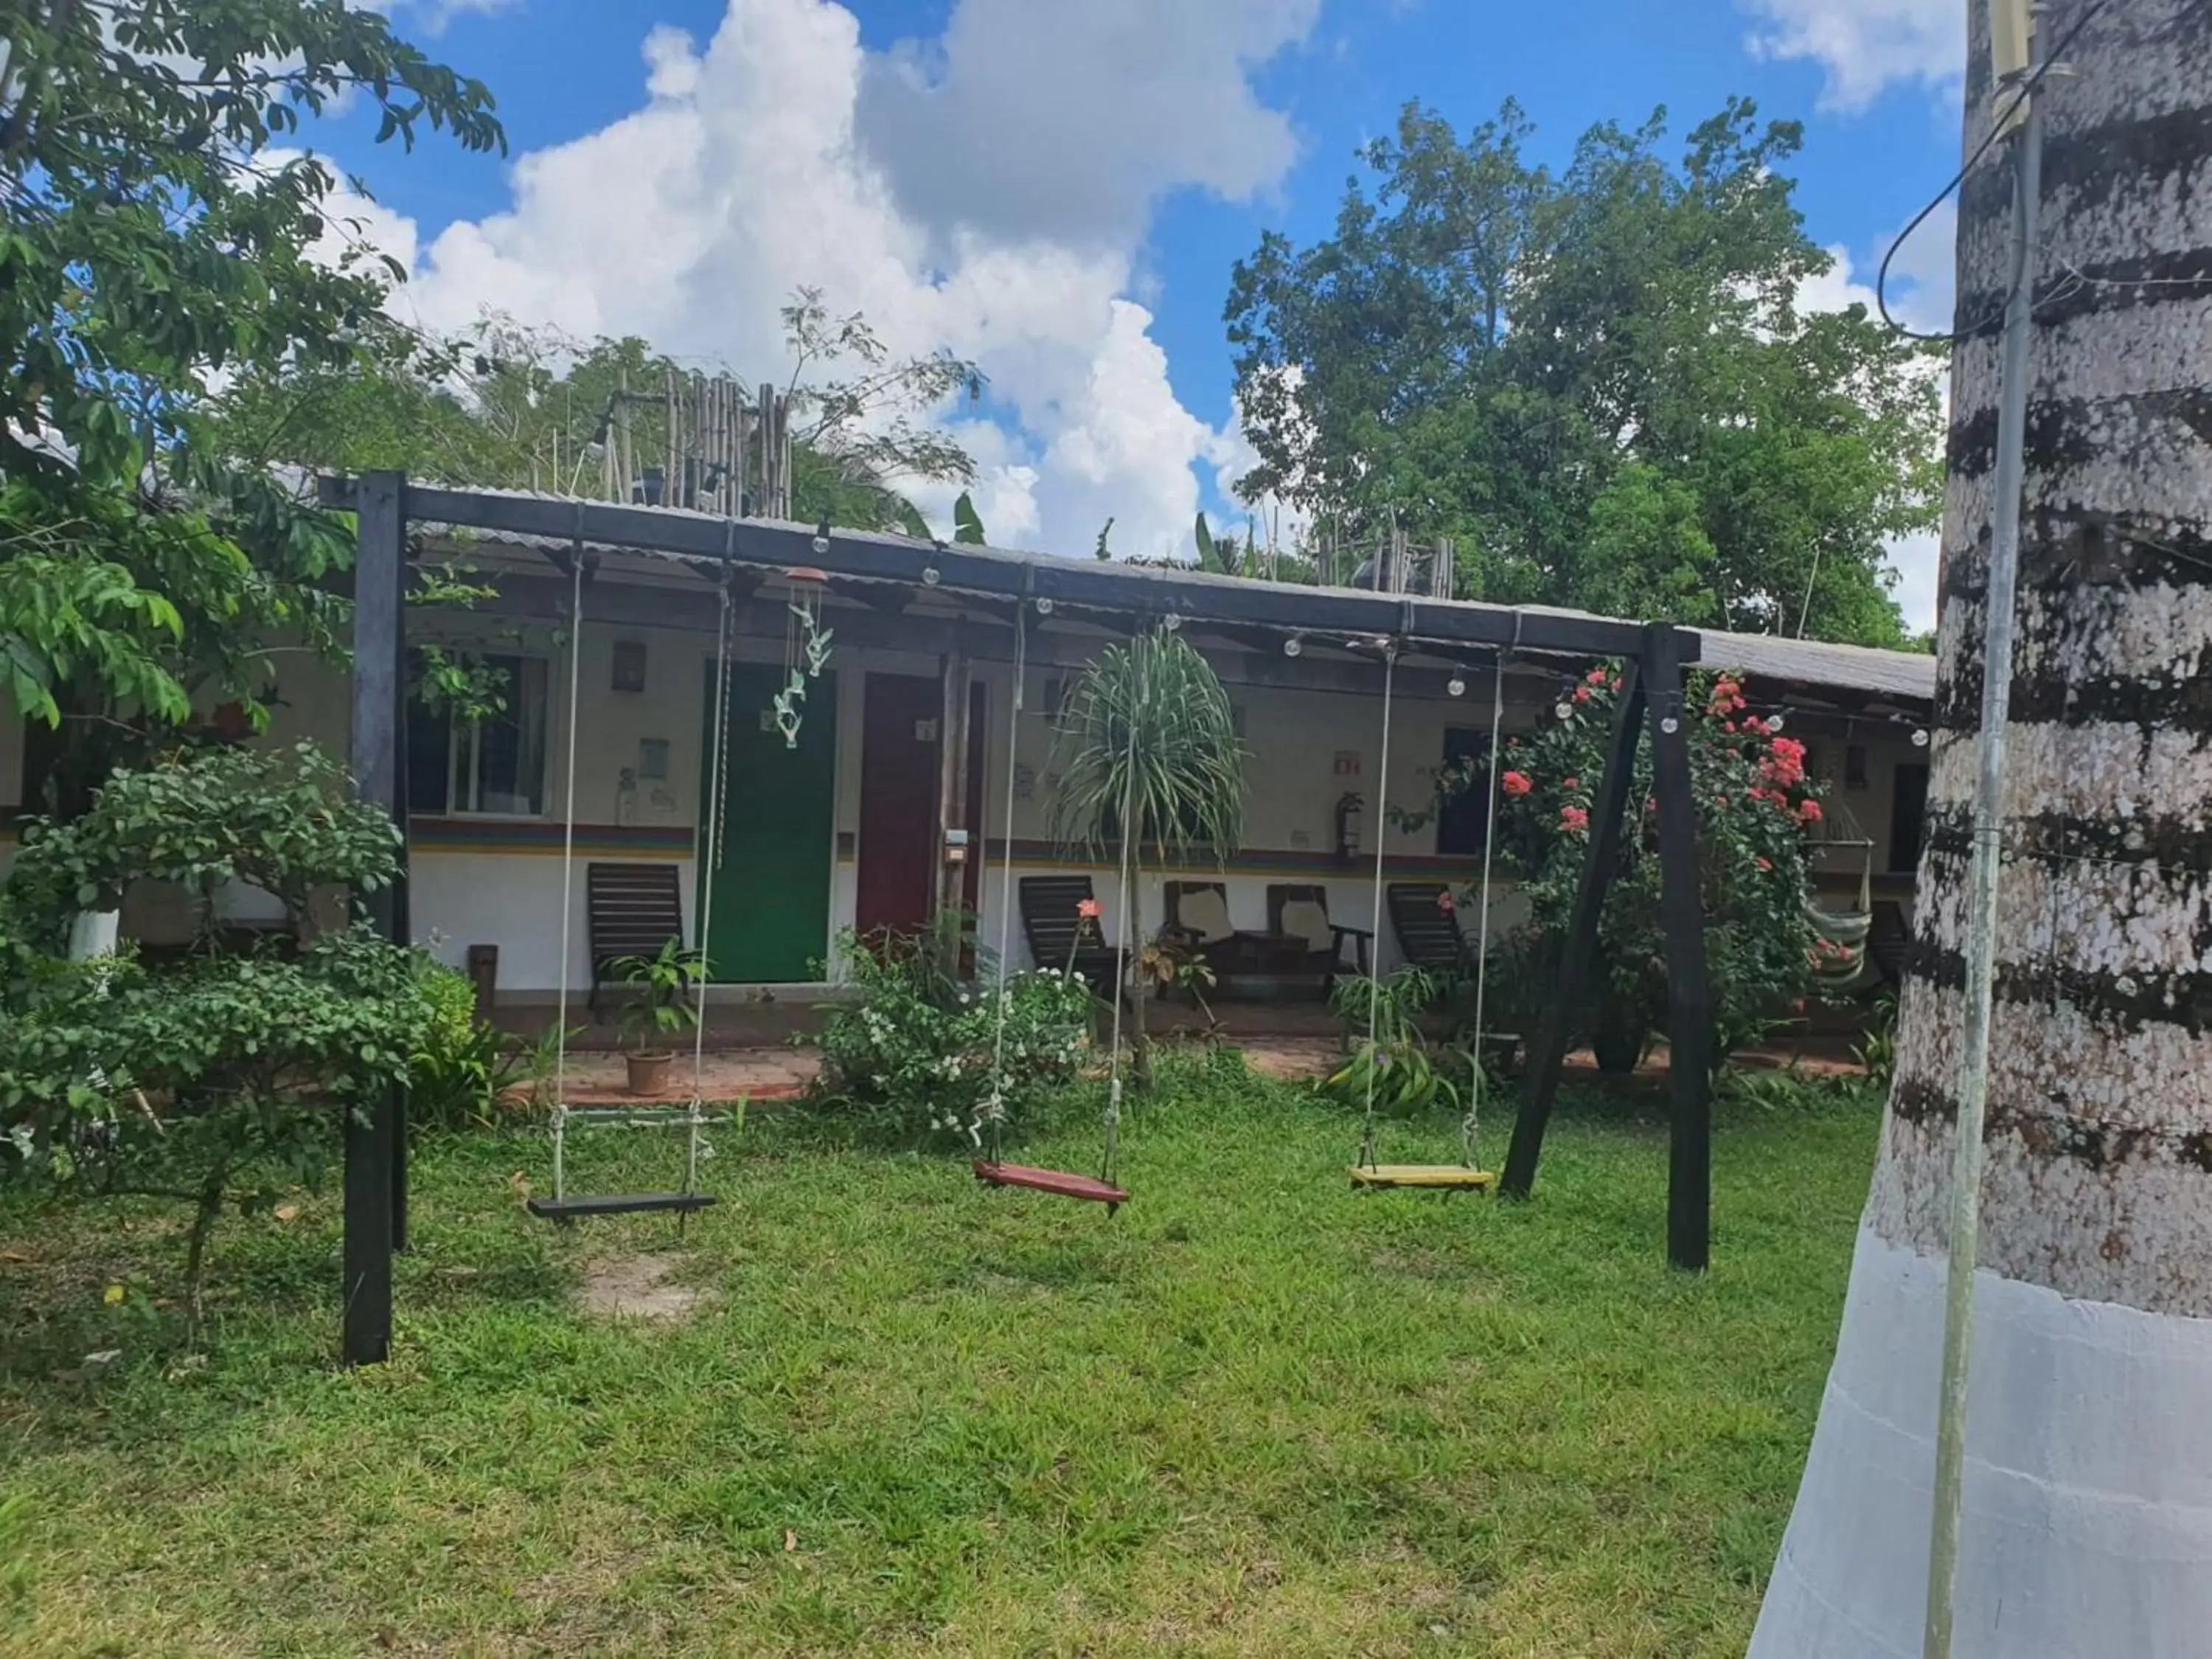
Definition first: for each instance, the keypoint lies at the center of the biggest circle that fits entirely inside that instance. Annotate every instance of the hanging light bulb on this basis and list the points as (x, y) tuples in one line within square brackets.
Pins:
[(1774, 722), (1044, 607), (1919, 737), (1456, 685), (1669, 725), (1566, 711), (822, 537), (1171, 622), (1294, 645)]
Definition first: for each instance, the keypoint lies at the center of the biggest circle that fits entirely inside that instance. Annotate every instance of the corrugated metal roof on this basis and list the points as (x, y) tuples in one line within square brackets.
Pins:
[(1894, 674), (1900, 674)]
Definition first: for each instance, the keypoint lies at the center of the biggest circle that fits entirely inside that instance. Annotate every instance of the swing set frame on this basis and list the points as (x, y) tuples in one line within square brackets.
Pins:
[(996, 583)]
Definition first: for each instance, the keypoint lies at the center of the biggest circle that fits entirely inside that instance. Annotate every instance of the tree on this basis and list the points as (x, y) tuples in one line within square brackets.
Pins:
[(2086, 1528), (221, 1078), (157, 235), (1148, 756), (508, 406), (1598, 383)]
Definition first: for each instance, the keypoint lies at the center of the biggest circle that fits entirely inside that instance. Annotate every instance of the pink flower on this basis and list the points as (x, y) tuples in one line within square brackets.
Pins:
[(1720, 800), (1581, 693), (1597, 676), (1727, 726), (1574, 818), (1809, 811), (1087, 909), (1515, 783), (1571, 783), (1765, 864), (1445, 901)]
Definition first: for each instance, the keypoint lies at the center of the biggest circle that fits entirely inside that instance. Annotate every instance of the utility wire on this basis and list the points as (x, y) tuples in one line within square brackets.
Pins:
[(1997, 127)]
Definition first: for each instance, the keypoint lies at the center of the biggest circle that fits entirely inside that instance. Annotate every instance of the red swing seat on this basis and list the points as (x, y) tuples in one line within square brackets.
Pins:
[(1059, 1182)]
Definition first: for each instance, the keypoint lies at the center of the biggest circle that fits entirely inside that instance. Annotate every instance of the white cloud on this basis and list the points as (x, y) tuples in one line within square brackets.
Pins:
[(988, 191), (1864, 44)]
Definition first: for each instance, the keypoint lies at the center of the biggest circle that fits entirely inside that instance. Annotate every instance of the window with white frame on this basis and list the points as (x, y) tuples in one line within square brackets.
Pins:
[(491, 768)]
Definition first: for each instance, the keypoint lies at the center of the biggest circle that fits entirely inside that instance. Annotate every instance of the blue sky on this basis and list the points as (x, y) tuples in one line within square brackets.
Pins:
[(1059, 187)]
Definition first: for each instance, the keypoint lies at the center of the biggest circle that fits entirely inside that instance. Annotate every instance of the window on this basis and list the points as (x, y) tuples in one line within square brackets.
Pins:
[(494, 767), (1854, 766), (1462, 820)]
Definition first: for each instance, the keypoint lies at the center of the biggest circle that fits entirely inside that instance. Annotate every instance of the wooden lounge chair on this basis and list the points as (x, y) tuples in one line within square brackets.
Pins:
[(633, 909), (1428, 933), (1059, 936), (1198, 915), (1297, 914)]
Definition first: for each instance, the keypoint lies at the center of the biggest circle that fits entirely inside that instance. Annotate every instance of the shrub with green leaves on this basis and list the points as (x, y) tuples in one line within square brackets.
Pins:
[(223, 1078), (919, 1047), (463, 1064), (1755, 806)]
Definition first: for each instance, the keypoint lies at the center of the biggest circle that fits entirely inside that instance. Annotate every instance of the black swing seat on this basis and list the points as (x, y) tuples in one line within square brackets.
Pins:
[(1057, 1181), (578, 1209)]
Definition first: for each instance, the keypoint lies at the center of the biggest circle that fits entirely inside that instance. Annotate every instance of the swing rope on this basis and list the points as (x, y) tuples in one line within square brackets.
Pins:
[(1138, 645), (568, 873), (1471, 1123), (1375, 920), (711, 858), (992, 1110)]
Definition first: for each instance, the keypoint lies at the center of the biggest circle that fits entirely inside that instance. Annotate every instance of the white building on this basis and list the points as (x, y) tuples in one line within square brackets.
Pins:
[(843, 830)]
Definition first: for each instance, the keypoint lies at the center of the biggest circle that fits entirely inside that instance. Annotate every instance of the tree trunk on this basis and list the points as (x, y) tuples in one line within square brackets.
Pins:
[(2088, 1522)]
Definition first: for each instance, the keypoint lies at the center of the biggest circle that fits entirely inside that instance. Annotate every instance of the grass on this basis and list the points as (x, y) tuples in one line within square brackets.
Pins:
[(1256, 1413)]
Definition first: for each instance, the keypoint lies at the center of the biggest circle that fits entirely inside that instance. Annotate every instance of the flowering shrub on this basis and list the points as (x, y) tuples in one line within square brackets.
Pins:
[(921, 1047), (1755, 805)]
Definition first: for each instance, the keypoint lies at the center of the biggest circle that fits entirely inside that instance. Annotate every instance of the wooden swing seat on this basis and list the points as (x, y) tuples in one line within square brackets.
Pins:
[(1056, 1181), (1435, 1177), (576, 1209)]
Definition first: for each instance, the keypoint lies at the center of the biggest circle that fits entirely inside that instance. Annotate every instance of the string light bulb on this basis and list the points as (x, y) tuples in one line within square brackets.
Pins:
[(1669, 725), (1919, 737), (1294, 645), (1456, 685)]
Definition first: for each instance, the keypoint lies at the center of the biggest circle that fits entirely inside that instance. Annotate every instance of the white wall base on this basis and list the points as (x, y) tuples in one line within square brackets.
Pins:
[(2087, 1530)]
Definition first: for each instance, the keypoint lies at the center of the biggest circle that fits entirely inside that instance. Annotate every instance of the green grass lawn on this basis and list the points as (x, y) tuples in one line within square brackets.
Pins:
[(1256, 1413)]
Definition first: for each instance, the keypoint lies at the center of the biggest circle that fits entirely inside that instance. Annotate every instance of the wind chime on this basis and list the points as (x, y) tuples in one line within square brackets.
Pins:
[(805, 648)]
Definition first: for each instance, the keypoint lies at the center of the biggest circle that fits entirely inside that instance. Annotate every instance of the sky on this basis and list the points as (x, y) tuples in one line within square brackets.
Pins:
[(1057, 189)]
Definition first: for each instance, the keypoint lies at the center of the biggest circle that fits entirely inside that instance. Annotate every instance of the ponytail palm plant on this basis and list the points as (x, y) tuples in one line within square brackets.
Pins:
[(1147, 740), (1148, 730)]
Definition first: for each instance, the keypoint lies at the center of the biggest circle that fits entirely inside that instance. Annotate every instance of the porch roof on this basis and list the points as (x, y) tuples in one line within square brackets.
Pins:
[(560, 526)]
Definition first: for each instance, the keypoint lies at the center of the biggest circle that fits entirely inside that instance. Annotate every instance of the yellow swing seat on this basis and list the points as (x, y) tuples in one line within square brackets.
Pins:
[(1434, 1177)]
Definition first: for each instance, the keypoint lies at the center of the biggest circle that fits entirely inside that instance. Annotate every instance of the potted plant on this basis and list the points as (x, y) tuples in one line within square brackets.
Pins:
[(661, 1009)]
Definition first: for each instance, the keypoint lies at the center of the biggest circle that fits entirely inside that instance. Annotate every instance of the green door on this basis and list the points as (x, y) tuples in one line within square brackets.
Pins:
[(771, 920)]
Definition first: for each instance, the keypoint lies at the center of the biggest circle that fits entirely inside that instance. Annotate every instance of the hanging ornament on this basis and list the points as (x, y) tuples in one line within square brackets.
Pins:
[(805, 648)]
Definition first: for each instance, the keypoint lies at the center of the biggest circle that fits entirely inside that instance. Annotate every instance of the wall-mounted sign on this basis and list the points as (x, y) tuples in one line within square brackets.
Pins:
[(1347, 762)]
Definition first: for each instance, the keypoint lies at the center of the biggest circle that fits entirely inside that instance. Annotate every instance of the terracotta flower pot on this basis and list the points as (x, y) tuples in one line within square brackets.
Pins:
[(648, 1073)]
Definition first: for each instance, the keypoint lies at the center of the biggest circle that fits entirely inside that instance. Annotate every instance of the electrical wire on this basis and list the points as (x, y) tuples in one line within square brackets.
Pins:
[(1997, 128)]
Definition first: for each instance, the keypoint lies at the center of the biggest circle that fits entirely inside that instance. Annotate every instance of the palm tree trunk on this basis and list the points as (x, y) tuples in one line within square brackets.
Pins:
[(2088, 1524)]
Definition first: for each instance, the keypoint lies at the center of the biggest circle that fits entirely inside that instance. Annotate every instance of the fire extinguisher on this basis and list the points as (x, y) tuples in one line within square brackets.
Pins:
[(1348, 808)]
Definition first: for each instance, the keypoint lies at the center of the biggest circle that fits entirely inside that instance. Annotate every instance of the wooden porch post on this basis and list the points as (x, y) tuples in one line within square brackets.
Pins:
[(373, 1148), (1689, 999), (952, 790), (1577, 948)]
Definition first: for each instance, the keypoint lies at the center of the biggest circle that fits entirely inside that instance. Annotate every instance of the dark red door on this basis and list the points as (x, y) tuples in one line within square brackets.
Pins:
[(898, 801), (899, 786)]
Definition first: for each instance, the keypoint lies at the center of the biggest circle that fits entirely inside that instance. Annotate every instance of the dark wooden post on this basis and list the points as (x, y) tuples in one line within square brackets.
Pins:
[(1689, 997), (1580, 944), (372, 1205), (953, 792)]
